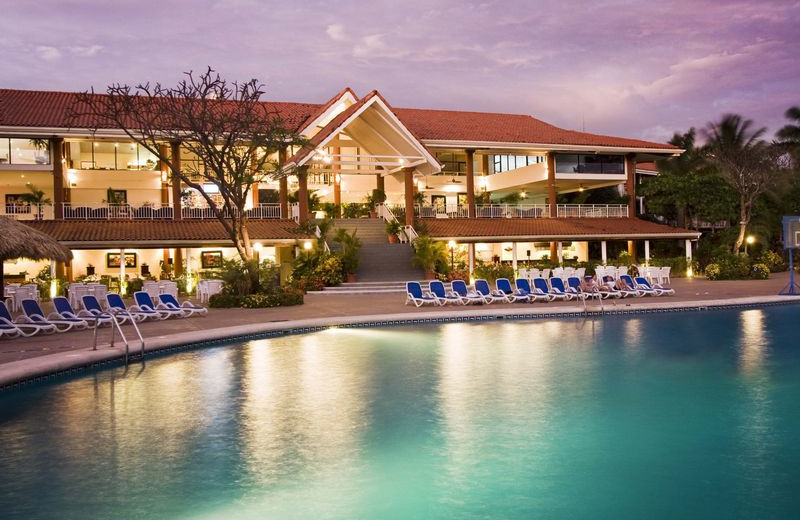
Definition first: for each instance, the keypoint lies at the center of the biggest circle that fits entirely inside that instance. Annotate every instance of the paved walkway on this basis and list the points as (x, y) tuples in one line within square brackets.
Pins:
[(337, 306)]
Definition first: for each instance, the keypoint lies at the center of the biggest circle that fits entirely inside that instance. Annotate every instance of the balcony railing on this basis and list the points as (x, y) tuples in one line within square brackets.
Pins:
[(592, 210), (79, 211), (482, 211)]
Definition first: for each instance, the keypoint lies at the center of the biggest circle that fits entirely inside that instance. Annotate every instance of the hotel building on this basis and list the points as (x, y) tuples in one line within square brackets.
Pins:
[(442, 170)]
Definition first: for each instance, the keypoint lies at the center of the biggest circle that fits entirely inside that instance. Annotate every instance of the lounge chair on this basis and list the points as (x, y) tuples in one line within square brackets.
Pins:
[(117, 306), (540, 284), (467, 296), (92, 306), (415, 295), (626, 289), (658, 289), (524, 286), (145, 304), (512, 295), (608, 289), (574, 286), (557, 287), (64, 311), (34, 314), (19, 327), (171, 302), (633, 286), (488, 295), (440, 293)]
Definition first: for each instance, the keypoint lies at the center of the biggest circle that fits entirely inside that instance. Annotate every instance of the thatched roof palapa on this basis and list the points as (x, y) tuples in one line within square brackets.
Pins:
[(18, 240)]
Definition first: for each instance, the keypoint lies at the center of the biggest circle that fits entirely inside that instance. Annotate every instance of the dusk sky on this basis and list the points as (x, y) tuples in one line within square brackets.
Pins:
[(623, 67)]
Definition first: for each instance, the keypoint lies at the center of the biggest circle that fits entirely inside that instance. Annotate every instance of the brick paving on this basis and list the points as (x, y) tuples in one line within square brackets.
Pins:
[(323, 306)]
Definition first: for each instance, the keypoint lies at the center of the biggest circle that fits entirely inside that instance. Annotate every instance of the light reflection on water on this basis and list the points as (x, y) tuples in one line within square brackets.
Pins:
[(666, 416)]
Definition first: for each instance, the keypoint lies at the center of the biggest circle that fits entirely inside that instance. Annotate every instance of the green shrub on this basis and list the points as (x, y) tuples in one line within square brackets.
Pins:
[(330, 270), (491, 272), (430, 254), (224, 301), (759, 272), (773, 261), (350, 246), (713, 272)]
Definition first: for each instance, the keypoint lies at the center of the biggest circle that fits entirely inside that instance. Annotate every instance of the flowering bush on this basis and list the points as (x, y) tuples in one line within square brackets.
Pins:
[(330, 271), (772, 260), (713, 272), (759, 272)]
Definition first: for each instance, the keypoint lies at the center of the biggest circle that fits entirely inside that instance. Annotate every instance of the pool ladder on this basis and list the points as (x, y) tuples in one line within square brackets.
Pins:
[(116, 326), (599, 299)]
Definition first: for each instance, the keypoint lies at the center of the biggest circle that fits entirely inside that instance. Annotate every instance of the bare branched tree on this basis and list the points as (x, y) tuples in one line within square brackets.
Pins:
[(224, 124), (750, 165)]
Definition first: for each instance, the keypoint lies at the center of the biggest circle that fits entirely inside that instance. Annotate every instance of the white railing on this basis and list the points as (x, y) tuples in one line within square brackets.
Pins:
[(512, 211), (28, 211), (410, 233), (294, 211), (81, 211), (592, 210)]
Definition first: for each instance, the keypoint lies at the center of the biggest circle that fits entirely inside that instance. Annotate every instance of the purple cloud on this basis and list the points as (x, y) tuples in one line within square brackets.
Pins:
[(627, 67)]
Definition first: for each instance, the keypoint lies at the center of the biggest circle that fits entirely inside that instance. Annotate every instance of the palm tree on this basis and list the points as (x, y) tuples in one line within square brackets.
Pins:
[(790, 134), (35, 197), (744, 160)]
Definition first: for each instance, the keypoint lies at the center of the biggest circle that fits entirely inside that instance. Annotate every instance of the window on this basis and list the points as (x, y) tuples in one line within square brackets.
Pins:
[(590, 163), (24, 151), (504, 163), (106, 155), (453, 162)]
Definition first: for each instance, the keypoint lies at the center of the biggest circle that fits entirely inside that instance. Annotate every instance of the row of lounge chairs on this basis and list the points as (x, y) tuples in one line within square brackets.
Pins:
[(65, 318), (529, 291)]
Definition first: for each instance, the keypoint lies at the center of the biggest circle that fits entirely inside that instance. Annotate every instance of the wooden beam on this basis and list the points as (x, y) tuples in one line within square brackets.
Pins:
[(552, 195), (302, 192), (176, 180), (408, 178), (471, 184), (57, 147), (630, 183), (283, 186)]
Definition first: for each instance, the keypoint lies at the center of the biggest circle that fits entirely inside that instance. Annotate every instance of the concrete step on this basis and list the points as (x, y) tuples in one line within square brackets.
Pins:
[(367, 288)]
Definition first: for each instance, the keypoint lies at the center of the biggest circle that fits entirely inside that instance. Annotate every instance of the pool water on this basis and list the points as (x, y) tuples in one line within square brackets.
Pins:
[(675, 415)]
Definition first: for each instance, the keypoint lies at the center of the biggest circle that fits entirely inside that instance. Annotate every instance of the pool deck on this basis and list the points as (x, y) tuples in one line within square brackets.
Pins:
[(27, 358)]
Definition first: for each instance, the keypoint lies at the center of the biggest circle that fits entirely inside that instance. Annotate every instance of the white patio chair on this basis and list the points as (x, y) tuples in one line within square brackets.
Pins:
[(665, 272), (534, 273)]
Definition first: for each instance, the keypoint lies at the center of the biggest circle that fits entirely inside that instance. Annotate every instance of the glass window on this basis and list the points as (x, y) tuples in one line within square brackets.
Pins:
[(104, 156), (504, 163), (452, 162), (589, 163), (5, 150), (24, 151)]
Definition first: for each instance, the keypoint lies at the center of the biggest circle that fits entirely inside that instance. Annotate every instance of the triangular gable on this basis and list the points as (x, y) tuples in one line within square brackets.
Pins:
[(351, 115), (329, 110)]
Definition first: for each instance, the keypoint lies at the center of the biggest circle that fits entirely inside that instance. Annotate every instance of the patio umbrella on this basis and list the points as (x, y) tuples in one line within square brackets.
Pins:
[(18, 240)]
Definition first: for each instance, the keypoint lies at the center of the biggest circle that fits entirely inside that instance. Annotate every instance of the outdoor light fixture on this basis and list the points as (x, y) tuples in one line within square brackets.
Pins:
[(750, 239), (72, 175), (523, 194), (258, 246), (307, 245)]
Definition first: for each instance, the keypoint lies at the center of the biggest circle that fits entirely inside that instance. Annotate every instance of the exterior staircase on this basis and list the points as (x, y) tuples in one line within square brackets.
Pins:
[(379, 261)]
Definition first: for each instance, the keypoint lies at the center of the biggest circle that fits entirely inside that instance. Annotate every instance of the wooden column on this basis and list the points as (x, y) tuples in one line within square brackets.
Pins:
[(551, 185), (178, 261), (163, 149), (630, 183), (283, 186), (176, 180), (470, 183), (337, 179), (57, 153), (632, 250), (408, 191), (380, 182), (254, 171), (302, 192)]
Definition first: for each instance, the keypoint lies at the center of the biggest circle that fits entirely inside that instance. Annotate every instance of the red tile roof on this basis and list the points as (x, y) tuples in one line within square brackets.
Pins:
[(552, 228), (647, 166), (505, 128), (51, 109), (141, 232)]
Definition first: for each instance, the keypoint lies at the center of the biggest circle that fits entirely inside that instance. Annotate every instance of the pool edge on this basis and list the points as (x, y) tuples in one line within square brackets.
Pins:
[(19, 373)]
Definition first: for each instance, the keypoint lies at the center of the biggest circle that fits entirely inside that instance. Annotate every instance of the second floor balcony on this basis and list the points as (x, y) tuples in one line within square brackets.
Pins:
[(102, 211), (516, 210)]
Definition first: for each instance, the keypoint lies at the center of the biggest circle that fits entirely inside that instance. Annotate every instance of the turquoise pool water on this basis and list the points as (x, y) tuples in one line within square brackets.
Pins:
[(680, 415)]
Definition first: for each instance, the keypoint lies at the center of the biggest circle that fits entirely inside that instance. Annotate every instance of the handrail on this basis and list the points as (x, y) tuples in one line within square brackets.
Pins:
[(118, 327)]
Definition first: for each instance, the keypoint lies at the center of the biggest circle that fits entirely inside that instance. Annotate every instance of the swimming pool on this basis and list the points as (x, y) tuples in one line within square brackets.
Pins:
[(677, 415)]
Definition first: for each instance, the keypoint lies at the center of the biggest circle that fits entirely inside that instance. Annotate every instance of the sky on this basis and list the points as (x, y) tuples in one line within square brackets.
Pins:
[(634, 68)]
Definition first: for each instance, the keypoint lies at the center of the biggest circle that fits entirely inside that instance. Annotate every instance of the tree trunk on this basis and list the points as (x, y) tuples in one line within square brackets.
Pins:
[(744, 220)]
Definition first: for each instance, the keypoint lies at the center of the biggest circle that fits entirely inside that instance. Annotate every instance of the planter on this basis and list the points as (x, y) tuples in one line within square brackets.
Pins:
[(351, 278), (430, 275), (393, 239), (373, 214), (89, 270)]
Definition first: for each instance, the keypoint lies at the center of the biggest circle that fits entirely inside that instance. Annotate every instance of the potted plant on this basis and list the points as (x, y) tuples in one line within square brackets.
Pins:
[(377, 197), (393, 227), (427, 254), (35, 198), (350, 246), (89, 270)]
